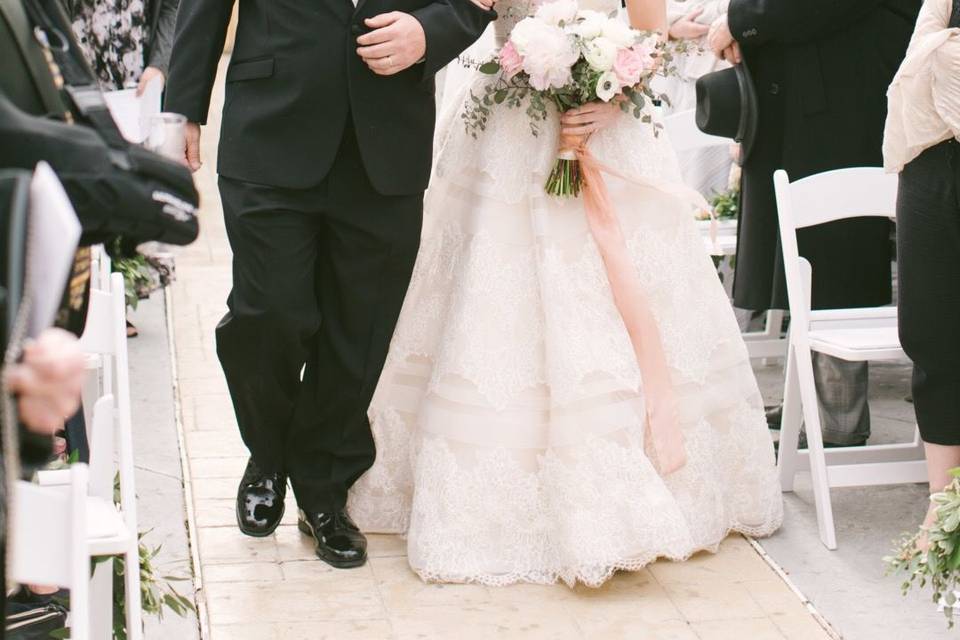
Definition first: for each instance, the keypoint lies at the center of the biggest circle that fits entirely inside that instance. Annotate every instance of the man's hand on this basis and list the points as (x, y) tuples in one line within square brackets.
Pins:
[(48, 381), (687, 27), (192, 158), (721, 41), (732, 54), (397, 42), (486, 5), (149, 74)]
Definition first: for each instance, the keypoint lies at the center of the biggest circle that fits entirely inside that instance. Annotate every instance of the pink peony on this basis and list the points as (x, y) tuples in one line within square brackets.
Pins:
[(632, 64), (628, 66), (510, 61)]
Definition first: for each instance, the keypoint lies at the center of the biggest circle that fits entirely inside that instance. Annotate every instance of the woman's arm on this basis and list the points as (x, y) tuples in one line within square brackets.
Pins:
[(161, 41), (648, 15)]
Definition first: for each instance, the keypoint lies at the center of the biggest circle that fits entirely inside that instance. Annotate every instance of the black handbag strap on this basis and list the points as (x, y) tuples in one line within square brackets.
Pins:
[(80, 84)]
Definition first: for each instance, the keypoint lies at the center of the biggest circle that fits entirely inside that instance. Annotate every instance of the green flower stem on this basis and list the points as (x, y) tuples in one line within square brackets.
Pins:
[(566, 179)]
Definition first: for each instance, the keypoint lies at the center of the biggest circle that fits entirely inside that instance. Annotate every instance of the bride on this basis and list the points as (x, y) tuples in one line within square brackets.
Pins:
[(510, 418)]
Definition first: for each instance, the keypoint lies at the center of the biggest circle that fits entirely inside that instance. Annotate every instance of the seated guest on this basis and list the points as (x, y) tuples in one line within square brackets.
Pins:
[(821, 69), (923, 126)]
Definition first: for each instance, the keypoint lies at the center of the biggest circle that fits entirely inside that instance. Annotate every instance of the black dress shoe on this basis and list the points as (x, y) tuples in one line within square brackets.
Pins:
[(339, 542), (260, 501)]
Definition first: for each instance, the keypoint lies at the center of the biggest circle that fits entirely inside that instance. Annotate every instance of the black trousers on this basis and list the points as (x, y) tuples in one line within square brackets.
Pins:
[(319, 277), (928, 236)]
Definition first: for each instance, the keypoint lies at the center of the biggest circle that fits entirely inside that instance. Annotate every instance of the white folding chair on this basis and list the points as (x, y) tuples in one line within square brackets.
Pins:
[(850, 334), (109, 532), (98, 380), (111, 439), (106, 335), (100, 266), (48, 533)]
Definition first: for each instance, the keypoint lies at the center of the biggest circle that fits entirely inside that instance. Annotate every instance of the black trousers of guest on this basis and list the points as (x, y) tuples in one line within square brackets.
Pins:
[(928, 236), (319, 277)]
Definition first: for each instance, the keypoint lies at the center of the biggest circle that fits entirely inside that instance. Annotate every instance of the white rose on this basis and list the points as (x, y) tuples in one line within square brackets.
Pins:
[(589, 24), (600, 53), (558, 12), (619, 33), (608, 86)]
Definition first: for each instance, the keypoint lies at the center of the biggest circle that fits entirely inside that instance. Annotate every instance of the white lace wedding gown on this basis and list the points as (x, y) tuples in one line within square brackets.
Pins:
[(509, 420)]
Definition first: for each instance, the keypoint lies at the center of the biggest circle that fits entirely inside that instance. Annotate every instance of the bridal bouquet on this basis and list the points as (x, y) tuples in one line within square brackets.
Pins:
[(569, 57)]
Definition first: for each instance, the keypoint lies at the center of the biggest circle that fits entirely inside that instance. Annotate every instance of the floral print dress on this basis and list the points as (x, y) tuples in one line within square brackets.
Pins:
[(112, 34)]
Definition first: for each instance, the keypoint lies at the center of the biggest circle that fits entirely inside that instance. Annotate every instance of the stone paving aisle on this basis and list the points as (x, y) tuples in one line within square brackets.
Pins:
[(274, 588)]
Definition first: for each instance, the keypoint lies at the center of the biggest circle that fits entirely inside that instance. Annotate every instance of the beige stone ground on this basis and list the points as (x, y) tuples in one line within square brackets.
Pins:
[(274, 588)]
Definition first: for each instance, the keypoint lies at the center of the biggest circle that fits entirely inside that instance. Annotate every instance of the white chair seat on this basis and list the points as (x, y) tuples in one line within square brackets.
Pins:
[(858, 343), (107, 533)]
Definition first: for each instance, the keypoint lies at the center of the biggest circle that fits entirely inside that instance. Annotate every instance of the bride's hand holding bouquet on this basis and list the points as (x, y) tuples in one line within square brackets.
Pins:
[(592, 67)]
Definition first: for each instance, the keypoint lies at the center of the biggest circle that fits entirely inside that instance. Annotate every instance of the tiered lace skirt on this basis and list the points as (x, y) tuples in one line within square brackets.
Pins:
[(509, 420)]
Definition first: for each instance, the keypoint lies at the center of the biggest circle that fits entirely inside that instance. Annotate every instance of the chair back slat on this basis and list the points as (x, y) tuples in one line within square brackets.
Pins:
[(98, 333), (820, 198), (38, 535), (48, 537), (103, 447), (841, 194)]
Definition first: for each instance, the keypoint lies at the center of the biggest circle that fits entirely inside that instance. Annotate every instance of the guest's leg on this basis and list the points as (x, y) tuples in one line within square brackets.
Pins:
[(842, 391), (370, 246), (264, 340), (928, 236)]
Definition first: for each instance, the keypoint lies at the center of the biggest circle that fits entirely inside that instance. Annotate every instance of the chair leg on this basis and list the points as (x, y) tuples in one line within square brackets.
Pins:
[(772, 329), (790, 424), (132, 593), (818, 462), (101, 601)]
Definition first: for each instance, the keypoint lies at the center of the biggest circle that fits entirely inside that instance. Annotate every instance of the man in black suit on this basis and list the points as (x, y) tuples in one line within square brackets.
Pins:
[(325, 153), (821, 69)]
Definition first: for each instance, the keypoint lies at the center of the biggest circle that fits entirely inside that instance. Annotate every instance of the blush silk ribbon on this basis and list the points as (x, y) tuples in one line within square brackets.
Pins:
[(663, 426)]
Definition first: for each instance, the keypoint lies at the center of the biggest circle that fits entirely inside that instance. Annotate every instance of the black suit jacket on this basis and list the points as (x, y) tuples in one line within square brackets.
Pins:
[(295, 78), (821, 68)]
